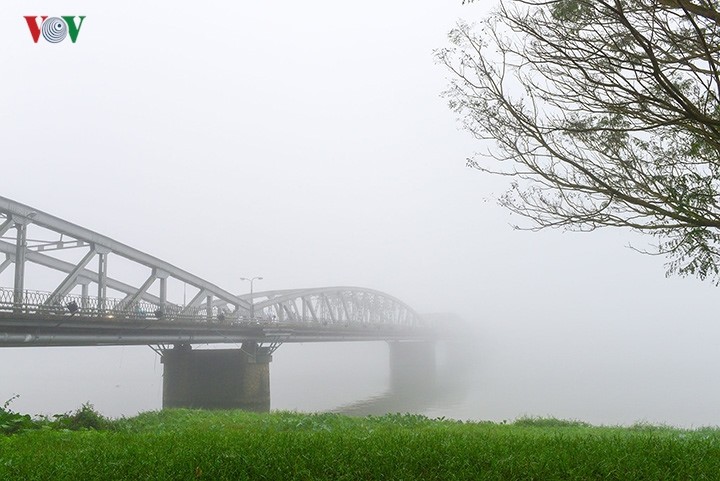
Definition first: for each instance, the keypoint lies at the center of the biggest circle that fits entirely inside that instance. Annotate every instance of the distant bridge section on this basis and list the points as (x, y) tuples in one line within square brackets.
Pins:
[(334, 306), (87, 306)]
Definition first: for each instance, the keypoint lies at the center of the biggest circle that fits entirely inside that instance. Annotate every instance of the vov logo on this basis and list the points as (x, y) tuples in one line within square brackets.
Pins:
[(54, 29)]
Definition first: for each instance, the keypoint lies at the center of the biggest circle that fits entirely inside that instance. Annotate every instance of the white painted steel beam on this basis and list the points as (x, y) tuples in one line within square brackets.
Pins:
[(20, 252), (6, 263), (134, 297), (71, 280), (102, 277), (6, 226), (67, 267)]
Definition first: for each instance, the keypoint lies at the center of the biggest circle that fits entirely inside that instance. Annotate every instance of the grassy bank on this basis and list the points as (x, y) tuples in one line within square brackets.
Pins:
[(181, 444)]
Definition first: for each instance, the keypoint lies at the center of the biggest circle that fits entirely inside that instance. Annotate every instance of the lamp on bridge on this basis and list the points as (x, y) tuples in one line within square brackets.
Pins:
[(72, 307), (221, 316), (252, 305), (158, 313)]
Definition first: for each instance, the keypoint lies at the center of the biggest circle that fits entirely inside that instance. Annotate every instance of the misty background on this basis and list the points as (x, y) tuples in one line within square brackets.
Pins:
[(307, 142)]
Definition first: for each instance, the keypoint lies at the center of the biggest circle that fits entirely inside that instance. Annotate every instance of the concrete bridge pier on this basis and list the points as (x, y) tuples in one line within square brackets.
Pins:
[(216, 378)]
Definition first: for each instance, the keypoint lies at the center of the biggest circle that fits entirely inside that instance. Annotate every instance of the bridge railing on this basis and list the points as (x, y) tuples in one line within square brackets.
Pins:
[(43, 303)]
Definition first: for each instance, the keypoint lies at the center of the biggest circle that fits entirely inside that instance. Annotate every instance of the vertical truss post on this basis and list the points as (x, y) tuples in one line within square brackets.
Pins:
[(20, 249), (163, 289), (209, 307), (102, 277), (85, 294)]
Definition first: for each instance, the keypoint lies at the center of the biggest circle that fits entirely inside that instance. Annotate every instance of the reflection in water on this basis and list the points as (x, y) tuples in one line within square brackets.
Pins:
[(422, 376)]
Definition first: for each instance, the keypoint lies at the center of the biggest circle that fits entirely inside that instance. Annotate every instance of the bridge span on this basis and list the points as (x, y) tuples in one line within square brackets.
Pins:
[(86, 306), (302, 315)]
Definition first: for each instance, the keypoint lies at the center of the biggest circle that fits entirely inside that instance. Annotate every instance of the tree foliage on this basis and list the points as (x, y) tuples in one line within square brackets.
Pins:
[(604, 112)]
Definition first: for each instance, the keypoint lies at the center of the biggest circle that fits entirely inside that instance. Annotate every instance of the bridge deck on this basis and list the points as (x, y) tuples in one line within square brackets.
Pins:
[(28, 330)]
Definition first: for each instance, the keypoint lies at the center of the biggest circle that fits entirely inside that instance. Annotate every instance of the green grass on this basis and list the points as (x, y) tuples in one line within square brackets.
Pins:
[(235, 445)]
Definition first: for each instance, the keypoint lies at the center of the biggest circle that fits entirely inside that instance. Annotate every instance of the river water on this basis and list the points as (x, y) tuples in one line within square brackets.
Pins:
[(473, 381)]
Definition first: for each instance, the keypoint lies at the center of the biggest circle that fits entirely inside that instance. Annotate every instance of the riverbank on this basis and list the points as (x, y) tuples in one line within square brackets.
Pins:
[(235, 445)]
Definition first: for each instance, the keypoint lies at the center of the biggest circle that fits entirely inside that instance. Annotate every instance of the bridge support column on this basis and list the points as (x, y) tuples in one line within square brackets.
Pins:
[(216, 378), (412, 365), (20, 250)]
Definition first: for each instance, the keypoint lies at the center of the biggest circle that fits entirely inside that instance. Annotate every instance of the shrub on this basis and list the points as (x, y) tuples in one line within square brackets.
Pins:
[(86, 417)]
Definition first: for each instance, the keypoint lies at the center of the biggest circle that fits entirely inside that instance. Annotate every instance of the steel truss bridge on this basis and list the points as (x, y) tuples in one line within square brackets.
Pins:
[(87, 306)]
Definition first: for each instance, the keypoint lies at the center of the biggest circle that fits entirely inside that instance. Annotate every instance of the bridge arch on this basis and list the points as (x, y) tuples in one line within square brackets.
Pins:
[(342, 305)]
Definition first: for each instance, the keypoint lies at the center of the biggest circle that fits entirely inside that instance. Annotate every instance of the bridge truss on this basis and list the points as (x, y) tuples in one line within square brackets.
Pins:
[(87, 306)]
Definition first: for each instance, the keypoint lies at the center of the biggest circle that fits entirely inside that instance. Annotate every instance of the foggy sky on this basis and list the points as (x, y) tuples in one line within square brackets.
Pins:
[(307, 142)]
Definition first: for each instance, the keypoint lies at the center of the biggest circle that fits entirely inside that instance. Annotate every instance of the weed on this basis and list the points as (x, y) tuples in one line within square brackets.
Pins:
[(12, 422), (86, 417), (548, 423)]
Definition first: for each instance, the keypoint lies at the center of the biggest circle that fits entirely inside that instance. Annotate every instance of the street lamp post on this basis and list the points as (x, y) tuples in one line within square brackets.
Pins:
[(252, 304)]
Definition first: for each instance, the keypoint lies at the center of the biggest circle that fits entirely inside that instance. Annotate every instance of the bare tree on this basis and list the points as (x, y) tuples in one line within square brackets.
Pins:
[(604, 112)]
